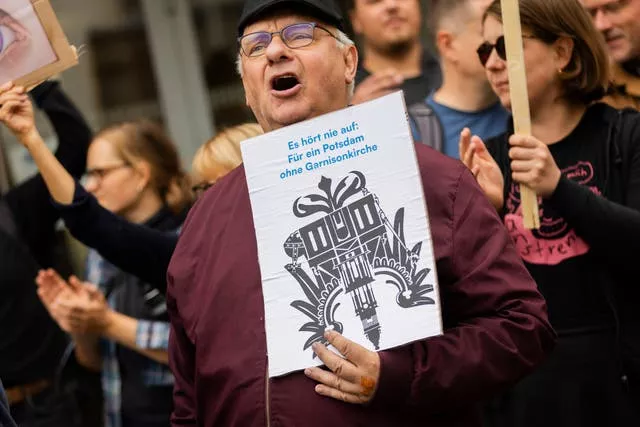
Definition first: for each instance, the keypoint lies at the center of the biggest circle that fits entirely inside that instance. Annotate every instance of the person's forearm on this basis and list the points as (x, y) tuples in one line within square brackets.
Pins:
[(139, 250), (60, 183), (122, 329), (87, 352), (609, 227)]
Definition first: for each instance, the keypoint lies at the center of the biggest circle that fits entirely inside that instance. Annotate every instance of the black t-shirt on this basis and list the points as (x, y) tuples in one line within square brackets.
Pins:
[(415, 89), (569, 274)]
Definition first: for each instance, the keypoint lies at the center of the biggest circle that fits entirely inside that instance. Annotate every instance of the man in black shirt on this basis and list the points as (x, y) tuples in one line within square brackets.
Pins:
[(31, 344), (393, 56)]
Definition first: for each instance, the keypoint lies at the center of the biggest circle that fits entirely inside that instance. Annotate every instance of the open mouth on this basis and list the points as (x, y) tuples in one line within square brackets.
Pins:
[(284, 83)]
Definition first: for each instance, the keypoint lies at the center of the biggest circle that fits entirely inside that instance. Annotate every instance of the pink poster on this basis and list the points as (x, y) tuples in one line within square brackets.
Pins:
[(24, 46)]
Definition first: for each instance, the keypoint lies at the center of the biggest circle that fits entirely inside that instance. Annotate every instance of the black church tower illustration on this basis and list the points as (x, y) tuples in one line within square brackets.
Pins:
[(340, 238), (349, 245)]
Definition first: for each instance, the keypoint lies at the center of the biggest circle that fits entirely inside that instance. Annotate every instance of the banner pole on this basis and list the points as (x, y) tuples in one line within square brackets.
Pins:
[(519, 98)]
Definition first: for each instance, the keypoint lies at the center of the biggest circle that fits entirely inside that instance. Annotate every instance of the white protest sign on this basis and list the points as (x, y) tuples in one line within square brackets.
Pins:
[(343, 236)]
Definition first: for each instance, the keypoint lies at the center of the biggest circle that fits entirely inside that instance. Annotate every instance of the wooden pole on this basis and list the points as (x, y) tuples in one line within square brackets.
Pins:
[(519, 98)]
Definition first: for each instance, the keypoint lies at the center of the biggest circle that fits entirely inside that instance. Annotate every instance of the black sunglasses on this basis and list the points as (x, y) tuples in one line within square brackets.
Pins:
[(485, 49)]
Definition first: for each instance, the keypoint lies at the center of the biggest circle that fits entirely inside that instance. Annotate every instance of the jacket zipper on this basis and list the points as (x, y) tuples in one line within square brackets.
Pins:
[(266, 395)]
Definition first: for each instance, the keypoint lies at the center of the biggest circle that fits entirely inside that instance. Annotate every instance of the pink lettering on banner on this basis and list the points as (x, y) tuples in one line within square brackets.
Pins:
[(547, 251), (555, 241)]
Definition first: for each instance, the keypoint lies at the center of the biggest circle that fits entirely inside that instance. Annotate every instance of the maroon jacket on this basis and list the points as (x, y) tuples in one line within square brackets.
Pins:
[(496, 328)]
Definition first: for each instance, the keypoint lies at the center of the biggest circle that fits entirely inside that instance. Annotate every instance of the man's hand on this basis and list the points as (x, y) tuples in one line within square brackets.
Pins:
[(352, 379), (377, 85)]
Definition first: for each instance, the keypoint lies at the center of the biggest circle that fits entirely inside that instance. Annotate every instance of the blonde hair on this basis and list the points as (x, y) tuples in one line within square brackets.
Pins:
[(221, 154), (146, 141)]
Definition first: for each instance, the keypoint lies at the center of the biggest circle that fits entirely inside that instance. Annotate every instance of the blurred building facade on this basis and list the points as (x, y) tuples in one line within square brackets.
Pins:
[(146, 58)]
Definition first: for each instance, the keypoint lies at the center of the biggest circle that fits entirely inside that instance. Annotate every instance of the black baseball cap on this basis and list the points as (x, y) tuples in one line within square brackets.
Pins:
[(325, 10)]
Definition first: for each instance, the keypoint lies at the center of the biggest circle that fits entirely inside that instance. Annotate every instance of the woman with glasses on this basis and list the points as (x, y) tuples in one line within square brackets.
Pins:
[(120, 329), (32, 346), (141, 251), (583, 161)]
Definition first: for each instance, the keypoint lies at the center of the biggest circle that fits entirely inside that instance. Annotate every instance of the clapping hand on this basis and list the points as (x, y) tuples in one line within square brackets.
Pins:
[(78, 308), (476, 157)]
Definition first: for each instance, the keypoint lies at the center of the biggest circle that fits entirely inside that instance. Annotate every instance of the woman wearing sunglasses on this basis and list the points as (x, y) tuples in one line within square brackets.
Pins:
[(583, 161)]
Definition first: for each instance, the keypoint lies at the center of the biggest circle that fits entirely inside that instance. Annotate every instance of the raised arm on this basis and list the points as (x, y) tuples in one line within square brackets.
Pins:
[(496, 327), (30, 202), (17, 114), (136, 249)]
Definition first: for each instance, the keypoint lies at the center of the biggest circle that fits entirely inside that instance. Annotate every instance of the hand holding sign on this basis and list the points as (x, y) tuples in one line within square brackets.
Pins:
[(352, 379), (533, 165)]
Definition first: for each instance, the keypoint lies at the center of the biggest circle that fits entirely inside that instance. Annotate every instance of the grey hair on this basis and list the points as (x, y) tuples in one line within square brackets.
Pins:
[(342, 40)]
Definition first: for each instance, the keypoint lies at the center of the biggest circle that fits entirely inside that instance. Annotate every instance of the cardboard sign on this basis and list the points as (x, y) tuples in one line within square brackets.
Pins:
[(33, 46), (343, 236)]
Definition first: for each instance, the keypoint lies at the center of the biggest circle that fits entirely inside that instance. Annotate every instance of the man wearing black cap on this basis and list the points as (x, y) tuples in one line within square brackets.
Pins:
[(284, 93), (297, 64)]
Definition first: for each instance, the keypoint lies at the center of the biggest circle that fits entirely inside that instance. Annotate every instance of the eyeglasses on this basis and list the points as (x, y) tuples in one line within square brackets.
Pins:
[(199, 189), (293, 36), (485, 49), (98, 174)]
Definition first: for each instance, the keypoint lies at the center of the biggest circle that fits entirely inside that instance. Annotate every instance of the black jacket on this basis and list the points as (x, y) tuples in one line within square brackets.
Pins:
[(31, 343)]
